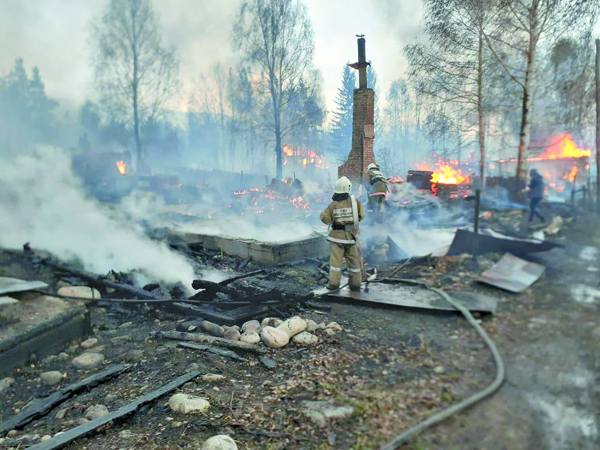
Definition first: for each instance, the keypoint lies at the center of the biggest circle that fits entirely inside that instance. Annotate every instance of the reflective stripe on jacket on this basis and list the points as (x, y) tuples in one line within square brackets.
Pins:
[(340, 213)]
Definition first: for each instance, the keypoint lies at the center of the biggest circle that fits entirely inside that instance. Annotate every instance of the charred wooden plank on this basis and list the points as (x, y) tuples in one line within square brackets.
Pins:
[(205, 338), (43, 406), (235, 316), (215, 350), (212, 288), (244, 263), (63, 439), (95, 281), (240, 277)]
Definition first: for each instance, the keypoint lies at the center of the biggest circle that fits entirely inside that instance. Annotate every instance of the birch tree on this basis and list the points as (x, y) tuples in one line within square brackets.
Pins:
[(135, 74), (520, 29), (451, 66), (277, 36)]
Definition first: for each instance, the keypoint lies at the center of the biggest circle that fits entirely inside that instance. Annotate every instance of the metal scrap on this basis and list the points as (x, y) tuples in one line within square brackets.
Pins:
[(10, 285), (512, 274)]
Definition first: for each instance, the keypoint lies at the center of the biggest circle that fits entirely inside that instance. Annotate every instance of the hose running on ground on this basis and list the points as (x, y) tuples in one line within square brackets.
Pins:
[(443, 415)]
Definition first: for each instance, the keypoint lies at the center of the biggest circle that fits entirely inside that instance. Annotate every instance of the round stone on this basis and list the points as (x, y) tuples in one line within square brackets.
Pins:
[(232, 334), (89, 343), (96, 411), (51, 378), (305, 338), (88, 361), (274, 337), (219, 442), (293, 326), (186, 404), (250, 337)]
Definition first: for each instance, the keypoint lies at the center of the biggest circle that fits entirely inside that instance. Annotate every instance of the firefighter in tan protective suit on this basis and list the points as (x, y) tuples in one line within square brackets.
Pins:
[(343, 214), (378, 191)]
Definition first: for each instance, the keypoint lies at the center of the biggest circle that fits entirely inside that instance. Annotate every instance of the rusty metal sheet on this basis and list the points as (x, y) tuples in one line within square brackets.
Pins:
[(414, 297), (512, 274), (9, 285)]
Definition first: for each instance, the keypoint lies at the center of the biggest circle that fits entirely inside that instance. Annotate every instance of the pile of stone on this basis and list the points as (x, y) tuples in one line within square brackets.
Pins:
[(272, 332)]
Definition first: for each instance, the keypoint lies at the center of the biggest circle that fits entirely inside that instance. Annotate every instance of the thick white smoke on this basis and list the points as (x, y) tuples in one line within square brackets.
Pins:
[(42, 202)]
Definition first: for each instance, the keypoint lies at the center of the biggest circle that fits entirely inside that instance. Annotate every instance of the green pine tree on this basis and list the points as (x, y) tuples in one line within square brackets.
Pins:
[(341, 134)]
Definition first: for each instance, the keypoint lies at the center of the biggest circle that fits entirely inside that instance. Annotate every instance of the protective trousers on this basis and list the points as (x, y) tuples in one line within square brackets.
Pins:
[(337, 253), (377, 205)]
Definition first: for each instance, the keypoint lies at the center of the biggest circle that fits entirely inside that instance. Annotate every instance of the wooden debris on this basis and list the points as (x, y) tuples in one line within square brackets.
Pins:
[(69, 436), (236, 316), (212, 288), (95, 281), (205, 338), (244, 263), (214, 350), (43, 406), (240, 277)]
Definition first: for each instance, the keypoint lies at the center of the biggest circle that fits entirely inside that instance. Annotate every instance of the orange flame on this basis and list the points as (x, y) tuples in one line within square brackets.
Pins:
[(121, 167), (423, 166), (572, 174), (449, 175), (562, 146), (303, 157), (395, 180)]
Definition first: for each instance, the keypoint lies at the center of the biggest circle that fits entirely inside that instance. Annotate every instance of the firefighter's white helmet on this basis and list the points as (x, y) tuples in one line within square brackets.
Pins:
[(343, 186), (372, 166)]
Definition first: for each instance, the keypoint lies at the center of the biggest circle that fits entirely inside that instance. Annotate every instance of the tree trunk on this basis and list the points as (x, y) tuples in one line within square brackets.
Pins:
[(135, 85), (598, 125), (524, 136), (480, 110), (278, 152), (136, 120)]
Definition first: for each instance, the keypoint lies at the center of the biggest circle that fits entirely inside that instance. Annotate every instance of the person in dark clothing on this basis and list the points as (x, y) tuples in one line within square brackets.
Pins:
[(536, 194)]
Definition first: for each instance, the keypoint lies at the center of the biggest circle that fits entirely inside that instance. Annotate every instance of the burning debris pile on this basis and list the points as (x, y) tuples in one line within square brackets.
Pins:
[(279, 197), (560, 161), (303, 158), (446, 180)]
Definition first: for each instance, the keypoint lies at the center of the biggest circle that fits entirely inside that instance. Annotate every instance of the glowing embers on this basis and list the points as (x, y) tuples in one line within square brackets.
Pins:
[(261, 200), (121, 167), (303, 157)]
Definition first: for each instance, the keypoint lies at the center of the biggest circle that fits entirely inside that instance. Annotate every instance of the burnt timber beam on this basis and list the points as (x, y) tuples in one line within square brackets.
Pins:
[(41, 407), (69, 436)]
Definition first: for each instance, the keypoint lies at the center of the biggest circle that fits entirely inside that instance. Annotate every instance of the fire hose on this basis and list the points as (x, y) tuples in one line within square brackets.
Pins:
[(443, 415)]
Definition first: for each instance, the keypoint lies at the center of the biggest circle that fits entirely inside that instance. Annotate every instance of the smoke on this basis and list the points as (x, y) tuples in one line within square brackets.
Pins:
[(417, 223), (41, 202), (242, 228)]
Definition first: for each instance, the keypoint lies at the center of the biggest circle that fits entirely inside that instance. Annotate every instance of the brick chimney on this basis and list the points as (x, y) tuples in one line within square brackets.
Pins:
[(363, 133)]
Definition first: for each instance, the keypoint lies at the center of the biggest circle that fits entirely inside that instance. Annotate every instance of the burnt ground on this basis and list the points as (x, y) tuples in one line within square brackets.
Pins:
[(394, 367)]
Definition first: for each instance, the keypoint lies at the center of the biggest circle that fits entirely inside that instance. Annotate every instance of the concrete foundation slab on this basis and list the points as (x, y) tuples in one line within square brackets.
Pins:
[(38, 325), (264, 252)]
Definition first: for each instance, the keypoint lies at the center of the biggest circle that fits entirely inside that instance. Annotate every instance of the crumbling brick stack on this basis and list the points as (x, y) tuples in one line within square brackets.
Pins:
[(361, 153), (363, 135)]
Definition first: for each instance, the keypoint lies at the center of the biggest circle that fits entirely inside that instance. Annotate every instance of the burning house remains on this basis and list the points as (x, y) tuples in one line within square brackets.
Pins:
[(177, 295)]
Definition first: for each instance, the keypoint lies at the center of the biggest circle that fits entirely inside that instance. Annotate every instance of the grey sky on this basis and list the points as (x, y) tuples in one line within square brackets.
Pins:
[(53, 35)]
